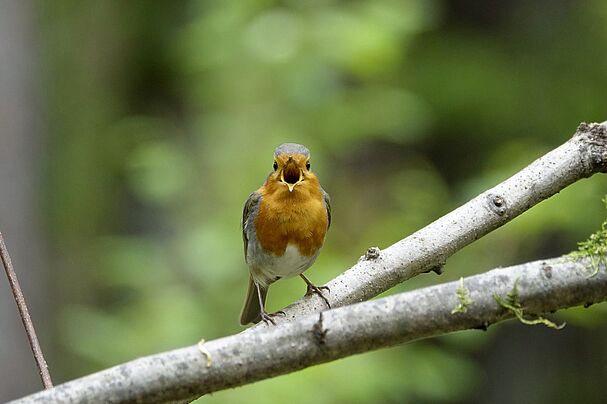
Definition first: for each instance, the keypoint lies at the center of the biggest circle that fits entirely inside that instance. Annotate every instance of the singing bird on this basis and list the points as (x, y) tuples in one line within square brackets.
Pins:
[(284, 225)]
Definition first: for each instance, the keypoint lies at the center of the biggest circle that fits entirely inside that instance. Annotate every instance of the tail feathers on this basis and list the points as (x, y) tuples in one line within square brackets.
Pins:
[(251, 311)]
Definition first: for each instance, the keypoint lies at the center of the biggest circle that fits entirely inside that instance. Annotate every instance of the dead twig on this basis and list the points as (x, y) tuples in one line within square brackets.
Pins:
[(25, 316)]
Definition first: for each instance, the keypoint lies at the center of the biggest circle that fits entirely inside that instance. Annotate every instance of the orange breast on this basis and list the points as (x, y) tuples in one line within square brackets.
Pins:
[(297, 217)]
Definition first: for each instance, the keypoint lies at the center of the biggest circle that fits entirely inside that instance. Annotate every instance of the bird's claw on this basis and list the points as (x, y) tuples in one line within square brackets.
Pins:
[(319, 291), (267, 317)]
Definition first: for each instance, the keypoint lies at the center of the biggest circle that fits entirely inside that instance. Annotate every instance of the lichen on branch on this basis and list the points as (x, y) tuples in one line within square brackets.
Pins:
[(464, 298), (512, 304), (595, 247)]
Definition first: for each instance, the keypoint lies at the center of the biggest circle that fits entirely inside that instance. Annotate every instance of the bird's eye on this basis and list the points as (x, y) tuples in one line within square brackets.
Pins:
[(275, 166), (308, 165)]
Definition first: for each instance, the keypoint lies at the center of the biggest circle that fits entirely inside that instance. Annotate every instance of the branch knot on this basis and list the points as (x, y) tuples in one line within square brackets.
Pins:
[(593, 139), (497, 204), (372, 253), (319, 332)]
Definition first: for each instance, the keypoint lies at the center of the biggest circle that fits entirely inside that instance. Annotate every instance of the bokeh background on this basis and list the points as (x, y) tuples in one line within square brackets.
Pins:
[(132, 132)]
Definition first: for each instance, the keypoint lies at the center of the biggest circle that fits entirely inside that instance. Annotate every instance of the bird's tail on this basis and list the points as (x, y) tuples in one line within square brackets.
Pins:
[(251, 311)]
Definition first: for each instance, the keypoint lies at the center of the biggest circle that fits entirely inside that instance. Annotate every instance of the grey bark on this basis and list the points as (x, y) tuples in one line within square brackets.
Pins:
[(309, 339), (20, 139), (429, 248), (268, 351)]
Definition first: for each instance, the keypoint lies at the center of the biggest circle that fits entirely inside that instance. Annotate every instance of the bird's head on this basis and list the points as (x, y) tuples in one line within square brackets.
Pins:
[(292, 166)]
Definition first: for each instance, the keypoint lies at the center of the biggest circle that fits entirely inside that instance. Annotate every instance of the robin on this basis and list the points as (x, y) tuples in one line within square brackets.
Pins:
[(284, 224)]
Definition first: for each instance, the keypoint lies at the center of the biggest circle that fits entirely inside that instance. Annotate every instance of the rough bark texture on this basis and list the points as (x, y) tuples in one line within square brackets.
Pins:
[(183, 374), (428, 249), (308, 339)]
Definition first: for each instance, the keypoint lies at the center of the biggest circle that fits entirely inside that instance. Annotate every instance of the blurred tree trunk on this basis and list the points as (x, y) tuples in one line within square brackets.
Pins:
[(20, 138)]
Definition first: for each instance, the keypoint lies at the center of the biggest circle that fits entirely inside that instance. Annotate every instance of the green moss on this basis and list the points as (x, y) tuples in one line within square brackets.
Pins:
[(512, 304), (594, 248), (464, 298)]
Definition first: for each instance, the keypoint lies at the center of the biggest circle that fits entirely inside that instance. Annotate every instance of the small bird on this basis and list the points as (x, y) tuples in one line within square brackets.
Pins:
[(284, 224)]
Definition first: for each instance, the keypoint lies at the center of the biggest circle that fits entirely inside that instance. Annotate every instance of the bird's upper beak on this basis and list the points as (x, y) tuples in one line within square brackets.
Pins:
[(291, 174)]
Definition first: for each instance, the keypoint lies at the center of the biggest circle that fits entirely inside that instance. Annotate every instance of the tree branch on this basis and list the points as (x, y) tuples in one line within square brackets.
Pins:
[(264, 352), (584, 155), (26, 319)]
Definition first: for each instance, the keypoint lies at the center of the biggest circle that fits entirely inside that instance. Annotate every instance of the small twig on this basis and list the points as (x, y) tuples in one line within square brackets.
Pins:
[(25, 316)]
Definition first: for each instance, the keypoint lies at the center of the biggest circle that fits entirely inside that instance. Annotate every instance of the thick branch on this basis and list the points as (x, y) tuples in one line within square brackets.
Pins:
[(543, 286), (583, 155), (263, 352)]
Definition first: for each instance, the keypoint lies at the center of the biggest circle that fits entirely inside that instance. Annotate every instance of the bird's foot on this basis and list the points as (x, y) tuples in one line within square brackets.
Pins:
[(319, 291), (312, 288), (267, 317)]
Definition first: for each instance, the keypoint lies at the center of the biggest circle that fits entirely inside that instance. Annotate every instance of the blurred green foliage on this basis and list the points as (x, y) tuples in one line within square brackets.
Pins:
[(164, 116)]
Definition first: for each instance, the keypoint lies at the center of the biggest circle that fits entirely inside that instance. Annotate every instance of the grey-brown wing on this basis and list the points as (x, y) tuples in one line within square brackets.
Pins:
[(327, 199), (250, 206)]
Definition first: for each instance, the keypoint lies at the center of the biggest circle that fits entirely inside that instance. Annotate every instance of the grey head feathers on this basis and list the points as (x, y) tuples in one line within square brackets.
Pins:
[(291, 148)]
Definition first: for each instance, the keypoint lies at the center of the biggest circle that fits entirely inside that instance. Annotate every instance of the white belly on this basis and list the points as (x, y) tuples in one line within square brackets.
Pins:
[(267, 268)]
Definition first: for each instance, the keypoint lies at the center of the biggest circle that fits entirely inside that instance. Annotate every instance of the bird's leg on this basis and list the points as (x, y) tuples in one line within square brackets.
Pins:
[(265, 317), (312, 288)]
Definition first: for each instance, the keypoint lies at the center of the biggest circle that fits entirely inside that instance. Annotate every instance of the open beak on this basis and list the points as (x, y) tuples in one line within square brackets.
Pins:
[(291, 175)]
